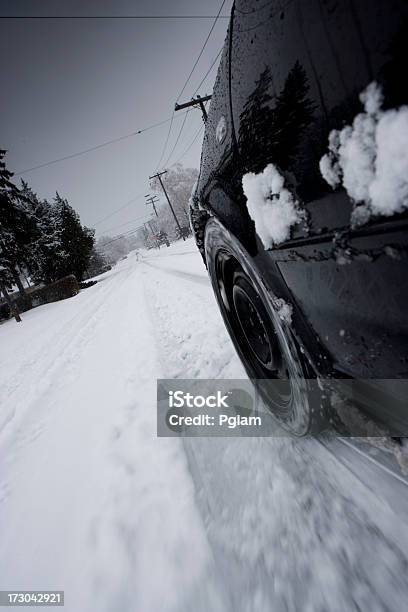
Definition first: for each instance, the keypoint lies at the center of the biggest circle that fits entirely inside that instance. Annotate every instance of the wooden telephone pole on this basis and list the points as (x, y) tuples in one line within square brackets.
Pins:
[(158, 175), (198, 101), (151, 200)]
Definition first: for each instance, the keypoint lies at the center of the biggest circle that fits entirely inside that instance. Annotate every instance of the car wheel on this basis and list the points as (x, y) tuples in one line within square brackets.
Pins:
[(263, 338)]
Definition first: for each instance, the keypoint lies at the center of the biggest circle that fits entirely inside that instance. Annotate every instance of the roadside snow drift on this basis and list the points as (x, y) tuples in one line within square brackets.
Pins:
[(270, 205), (92, 502), (370, 159)]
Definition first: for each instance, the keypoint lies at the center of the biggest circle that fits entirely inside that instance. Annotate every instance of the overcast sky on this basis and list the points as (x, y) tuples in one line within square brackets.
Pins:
[(68, 85)]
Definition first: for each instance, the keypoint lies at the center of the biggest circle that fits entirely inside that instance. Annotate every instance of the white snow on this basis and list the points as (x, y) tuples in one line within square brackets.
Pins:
[(370, 159), (271, 206), (92, 502), (284, 310), (329, 166), (389, 189)]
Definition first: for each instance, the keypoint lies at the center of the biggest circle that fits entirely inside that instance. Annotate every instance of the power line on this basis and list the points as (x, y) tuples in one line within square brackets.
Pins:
[(137, 132), (189, 146), (194, 139), (202, 50), (166, 141), (118, 209), (198, 101), (152, 200), (178, 138), (115, 227), (177, 106), (208, 71), (113, 16), (94, 148), (187, 80), (201, 82), (126, 235)]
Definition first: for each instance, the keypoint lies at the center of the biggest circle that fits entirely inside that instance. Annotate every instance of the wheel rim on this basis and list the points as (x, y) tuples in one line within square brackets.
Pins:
[(253, 330), (251, 318)]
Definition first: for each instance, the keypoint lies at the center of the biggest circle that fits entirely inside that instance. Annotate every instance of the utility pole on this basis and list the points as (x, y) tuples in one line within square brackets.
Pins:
[(151, 200), (152, 228), (153, 233), (150, 233), (198, 101), (158, 175)]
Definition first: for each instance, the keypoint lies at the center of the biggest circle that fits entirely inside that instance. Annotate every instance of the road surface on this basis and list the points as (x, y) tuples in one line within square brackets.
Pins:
[(93, 503)]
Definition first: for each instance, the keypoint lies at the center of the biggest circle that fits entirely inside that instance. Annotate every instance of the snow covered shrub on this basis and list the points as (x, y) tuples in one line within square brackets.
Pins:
[(59, 290), (271, 206), (370, 159), (86, 284)]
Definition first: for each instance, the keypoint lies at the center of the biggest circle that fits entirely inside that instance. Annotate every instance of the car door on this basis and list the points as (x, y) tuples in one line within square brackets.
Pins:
[(297, 69)]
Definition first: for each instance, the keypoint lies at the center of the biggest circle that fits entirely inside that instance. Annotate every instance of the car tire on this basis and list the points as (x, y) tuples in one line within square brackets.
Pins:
[(264, 339)]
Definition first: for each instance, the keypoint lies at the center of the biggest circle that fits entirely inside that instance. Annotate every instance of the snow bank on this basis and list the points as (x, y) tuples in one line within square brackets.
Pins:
[(87, 490), (270, 205), (370, 159)]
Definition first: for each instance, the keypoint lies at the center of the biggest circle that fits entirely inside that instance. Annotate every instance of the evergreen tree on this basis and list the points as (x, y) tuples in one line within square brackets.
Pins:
[(272, 126), (255, 122), (292, 113), (38, 211), (97, 263), (16, 229), (66, 245)]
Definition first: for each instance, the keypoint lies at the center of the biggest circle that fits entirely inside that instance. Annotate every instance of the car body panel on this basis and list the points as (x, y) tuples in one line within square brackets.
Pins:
[(291, 72)]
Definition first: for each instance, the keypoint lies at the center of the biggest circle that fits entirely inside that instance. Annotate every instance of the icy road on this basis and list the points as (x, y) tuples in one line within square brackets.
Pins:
[(93, 503)]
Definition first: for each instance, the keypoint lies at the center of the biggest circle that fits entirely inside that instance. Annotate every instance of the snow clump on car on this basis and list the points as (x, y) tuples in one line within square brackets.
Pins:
[(370, 159), (271, 206)]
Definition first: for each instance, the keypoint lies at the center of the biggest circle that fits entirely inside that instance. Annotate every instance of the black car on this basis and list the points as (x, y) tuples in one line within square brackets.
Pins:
[(300, 210)]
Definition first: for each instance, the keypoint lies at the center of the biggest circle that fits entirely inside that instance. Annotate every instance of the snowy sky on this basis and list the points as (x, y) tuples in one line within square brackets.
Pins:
[(68, 85)]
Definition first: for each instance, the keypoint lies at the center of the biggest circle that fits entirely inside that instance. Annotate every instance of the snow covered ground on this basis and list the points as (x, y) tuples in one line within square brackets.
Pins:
[(93, 503)]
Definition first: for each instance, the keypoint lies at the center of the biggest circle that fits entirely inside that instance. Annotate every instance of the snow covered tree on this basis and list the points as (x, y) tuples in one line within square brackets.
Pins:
[(97, 263), (16, 229), (46, 240), (38, 210), (65, 244), (59, 244), (114, 249)]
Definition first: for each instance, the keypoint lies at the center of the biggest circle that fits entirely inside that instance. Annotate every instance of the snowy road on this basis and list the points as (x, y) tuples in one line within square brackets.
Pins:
[(92, 503)]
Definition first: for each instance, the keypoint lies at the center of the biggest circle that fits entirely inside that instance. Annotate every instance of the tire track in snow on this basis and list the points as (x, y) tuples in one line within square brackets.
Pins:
[(150, 527), (291, 526), (372, 472), (22, 425), (196, 278), (190, 328), (112, 514), (53, 355)]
